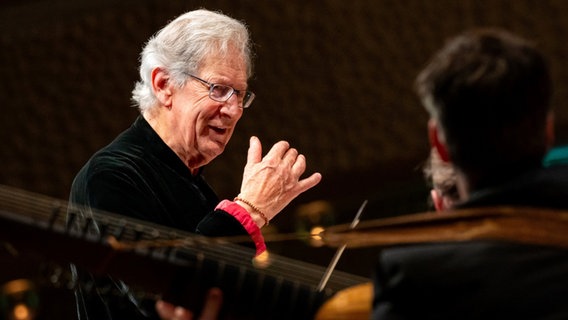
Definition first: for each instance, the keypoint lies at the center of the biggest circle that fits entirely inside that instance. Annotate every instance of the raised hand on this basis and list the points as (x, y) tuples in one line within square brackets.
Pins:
[(271, 182)]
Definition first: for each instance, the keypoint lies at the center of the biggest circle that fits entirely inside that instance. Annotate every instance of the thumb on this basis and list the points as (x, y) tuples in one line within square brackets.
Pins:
[(254, 150)]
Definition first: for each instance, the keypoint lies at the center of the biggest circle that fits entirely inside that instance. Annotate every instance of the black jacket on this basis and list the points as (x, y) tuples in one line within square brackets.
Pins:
[(481, 279), (139, 176)]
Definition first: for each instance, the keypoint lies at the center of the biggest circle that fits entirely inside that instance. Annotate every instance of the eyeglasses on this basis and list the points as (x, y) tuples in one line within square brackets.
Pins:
[(222, 93)]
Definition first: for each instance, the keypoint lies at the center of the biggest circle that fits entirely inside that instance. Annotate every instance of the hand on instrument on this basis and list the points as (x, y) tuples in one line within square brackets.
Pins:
[(211, 309), (273, 181)]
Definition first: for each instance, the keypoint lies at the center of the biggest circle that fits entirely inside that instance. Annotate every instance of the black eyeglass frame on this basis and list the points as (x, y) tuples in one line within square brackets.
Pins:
[(248, 96)]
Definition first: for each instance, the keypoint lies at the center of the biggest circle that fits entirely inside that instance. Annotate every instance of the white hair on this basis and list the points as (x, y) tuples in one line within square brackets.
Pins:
[(182, 45)]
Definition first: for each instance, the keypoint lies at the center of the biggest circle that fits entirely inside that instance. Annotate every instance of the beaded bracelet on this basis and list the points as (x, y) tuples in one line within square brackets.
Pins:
[(255, 208)]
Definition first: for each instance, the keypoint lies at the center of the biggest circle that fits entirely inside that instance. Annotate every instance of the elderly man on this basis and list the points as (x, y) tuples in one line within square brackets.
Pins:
[(191, 94)]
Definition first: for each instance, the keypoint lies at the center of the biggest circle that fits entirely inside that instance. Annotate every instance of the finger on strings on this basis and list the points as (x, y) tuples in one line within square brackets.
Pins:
[(213, 304), (168, 311), (182, 314)]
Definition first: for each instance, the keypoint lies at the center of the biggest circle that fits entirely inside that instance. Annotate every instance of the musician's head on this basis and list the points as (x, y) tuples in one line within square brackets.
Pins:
[(488, 95), (193, 83)]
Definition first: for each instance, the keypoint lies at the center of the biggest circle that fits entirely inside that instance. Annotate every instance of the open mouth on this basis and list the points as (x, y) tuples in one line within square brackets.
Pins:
[(218, 130)]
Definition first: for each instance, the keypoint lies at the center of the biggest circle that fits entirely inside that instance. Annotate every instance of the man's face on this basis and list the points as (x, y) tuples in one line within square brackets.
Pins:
[(203, 126)]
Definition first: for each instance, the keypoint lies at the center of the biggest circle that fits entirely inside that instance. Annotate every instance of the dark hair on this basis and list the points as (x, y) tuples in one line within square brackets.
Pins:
[(489, 90)]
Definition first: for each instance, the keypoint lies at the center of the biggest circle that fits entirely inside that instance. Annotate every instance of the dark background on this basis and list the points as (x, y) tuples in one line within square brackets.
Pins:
[(332, 77)]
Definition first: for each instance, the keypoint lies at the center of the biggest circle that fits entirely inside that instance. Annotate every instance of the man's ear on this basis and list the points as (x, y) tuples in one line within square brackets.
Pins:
[(437, 141), (550, 137), (161, 86)]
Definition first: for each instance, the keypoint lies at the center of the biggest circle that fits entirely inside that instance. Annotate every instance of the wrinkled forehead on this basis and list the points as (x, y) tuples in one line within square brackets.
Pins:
[(230, 64), (231, 56)]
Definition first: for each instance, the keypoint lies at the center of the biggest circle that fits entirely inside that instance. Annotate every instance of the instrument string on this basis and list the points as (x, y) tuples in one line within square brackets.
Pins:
[(340, 250), (38, 209)]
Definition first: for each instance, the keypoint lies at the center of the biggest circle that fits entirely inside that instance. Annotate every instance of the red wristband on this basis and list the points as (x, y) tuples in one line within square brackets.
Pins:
[(246, 221)]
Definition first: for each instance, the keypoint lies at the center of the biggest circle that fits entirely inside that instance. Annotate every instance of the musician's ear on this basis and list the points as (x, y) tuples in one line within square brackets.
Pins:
[(437, 140), (161, 86)]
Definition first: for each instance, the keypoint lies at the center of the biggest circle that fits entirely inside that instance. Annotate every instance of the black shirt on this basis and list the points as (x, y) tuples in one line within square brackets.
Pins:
[(139, 176)]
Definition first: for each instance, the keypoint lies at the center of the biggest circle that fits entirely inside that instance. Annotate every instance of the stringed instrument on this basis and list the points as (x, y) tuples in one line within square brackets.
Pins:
[(186, 264), (160, 262), (526, 225)]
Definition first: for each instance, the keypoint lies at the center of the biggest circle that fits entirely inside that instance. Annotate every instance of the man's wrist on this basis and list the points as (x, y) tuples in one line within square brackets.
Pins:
[(256, 214)]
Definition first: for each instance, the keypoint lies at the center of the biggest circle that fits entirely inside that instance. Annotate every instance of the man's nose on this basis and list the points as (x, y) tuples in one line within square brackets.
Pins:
[(233, 105)]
